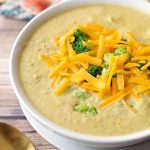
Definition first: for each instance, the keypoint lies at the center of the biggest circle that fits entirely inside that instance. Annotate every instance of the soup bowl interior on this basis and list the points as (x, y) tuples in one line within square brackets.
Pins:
[(97, 141)]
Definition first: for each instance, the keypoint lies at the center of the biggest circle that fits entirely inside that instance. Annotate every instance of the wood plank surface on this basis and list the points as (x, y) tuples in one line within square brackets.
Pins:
[(10, 111)]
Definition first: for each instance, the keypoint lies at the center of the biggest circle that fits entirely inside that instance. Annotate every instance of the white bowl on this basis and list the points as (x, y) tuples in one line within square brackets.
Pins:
[(94, 141), (67, 144)]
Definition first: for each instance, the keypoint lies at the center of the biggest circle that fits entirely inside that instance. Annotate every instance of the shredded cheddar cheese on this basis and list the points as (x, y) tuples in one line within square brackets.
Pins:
[(93, 81), (112, 68), (116, 97), (55, 81), (59, 68), (62, 87), (130, 107), (121, 67), (120, 81), (114, 86), (101, 48), (145, 66), (88, 59)]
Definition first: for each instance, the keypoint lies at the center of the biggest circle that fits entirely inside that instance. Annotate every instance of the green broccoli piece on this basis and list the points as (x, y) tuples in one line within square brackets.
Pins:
[(85, 109), (95, 70), (81, 96), (92, 110), (107, 57), (121, 51), (77, 44), (81, 108)]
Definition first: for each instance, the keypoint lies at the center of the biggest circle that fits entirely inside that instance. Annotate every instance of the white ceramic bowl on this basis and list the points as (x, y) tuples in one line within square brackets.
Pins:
[(94, 141)]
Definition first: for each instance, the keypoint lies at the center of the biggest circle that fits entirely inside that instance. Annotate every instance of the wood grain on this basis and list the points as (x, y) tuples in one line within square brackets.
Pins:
[(10, 111)]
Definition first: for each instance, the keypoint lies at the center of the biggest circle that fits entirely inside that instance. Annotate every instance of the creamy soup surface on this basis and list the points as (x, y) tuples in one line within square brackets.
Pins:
[(110, 121)]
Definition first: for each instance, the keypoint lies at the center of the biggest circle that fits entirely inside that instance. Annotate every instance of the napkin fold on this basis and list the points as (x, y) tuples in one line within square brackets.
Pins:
[(24, 9)]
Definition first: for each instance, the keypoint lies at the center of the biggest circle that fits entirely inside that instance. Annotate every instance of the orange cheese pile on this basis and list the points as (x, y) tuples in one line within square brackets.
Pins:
[(68, 68)]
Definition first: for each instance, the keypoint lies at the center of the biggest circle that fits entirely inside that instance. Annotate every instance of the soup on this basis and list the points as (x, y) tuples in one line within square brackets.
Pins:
[(115, 119)]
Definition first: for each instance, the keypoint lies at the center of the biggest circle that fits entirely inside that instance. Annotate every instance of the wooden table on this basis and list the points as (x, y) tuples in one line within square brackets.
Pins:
[(10, 111)]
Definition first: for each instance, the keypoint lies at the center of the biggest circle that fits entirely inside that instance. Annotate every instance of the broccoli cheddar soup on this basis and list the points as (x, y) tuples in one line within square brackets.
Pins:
[(88, 70)]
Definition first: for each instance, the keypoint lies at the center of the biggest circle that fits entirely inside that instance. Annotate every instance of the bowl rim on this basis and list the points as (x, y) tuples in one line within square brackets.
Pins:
[(14, 77)]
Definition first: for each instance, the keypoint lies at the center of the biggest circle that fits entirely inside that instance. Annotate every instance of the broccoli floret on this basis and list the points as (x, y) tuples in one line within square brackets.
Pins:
[(81, 96), (95, 70), (107, 57), (92, 110), (81, 108), (121, 51), (77, 44), (85, 109)]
